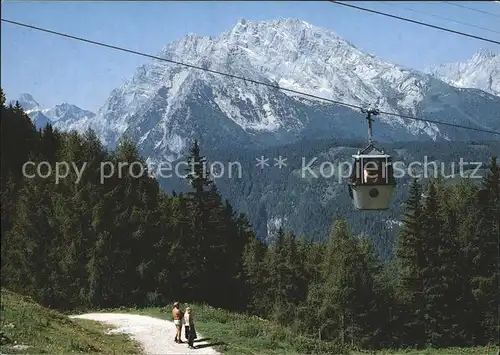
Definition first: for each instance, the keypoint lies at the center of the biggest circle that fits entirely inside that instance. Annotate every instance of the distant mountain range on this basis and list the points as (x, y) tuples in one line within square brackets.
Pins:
[(481, 72), (64, 116), (163, 107)]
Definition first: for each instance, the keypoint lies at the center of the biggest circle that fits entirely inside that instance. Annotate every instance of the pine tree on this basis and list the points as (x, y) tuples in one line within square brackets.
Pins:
[(280, 309), (8, 195), (460, 220), (50, 143), (373, 316), (465, 212), (216, 244), (287, 269), (30, 244), (297, 269), (255, 275), (72, 213), (311, 256), (433, 291), (2, 97), (243, 236), (485, 246), (348, 303), (456, 310), (173, 260), (442, 292), (410, 252), (199, 219)]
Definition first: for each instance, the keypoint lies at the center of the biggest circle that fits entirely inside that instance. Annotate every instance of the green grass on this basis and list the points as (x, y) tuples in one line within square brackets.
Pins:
[(245, 335), (448, 351), (44, 331)]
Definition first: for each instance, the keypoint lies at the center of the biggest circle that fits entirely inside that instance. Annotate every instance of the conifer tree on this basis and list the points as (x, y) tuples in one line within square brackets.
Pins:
[(256, 275), (442, 293), (373, 316), (216, 242), (243, 236), (15, 127), (50, 142), (279, 278), (410, 252), (431, 269), (30, 244), (311, 256), (485, 248), (462, 223), (174, 260), (199, 217), (348, 303), (456, 310)]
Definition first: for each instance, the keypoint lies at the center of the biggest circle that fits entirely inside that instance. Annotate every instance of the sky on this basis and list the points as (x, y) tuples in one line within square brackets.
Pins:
[(55, 69)]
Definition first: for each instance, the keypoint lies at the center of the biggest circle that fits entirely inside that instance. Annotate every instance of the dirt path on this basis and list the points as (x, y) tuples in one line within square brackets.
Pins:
[(155, 335)]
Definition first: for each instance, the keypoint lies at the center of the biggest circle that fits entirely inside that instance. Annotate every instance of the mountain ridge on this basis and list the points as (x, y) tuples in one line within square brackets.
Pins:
[(481, 71), (64, 116), (291, 53), (158, 92)]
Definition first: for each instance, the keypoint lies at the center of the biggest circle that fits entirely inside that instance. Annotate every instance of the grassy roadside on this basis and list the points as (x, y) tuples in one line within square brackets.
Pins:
[(28, 328), (449, 351), (237, 334), (234, 334)]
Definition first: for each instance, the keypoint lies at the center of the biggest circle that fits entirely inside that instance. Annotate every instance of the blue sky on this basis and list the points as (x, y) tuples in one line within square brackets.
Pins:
[(55, 70)]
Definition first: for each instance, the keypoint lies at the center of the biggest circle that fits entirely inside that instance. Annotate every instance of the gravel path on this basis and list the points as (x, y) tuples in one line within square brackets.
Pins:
[(155, 335)]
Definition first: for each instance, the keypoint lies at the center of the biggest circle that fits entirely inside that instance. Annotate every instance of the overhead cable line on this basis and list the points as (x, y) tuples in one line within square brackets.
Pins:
[(416, 22), (441, 17), (122, 49), (471, 8)]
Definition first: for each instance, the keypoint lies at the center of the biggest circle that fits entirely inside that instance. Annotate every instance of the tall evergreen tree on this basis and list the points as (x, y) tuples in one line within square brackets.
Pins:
[(256, 275), (431, 269), (485, 245), (31, 244), (461, 221), (410, 251)]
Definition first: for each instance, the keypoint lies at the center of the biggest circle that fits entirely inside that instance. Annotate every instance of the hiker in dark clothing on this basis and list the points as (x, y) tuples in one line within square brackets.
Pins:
[(189, 327)]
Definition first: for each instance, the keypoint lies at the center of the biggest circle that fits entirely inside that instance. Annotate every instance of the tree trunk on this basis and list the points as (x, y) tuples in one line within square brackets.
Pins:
[(342, 328)]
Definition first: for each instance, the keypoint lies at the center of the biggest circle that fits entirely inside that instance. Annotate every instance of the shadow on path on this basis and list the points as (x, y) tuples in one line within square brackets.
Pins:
[(201, 346), (202, 339)]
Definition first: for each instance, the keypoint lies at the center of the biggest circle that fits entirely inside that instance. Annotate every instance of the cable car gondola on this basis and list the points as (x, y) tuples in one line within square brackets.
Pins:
[(372, 183)]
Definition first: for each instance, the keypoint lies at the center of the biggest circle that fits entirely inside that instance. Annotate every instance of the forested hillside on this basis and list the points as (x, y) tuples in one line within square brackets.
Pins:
[(293, 198), (126, 242)]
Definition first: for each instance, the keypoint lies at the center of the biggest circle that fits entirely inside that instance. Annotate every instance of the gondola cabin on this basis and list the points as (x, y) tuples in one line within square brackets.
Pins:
[(372, 183)]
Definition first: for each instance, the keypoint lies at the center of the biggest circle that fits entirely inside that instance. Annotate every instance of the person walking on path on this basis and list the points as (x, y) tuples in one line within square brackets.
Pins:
[(189, 327), (177, 317)]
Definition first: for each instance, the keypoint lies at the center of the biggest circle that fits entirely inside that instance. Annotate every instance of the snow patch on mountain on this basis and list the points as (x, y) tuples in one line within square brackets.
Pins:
[(391, 224), (273, 226)]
